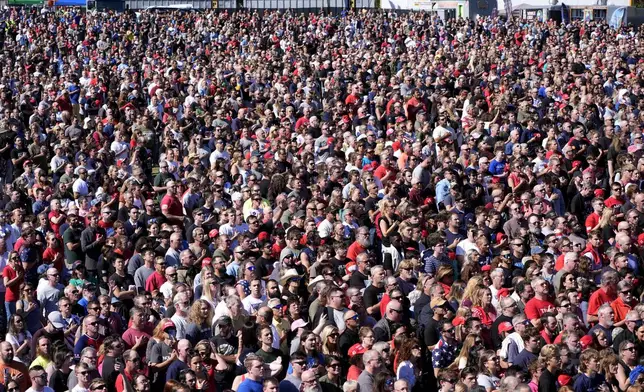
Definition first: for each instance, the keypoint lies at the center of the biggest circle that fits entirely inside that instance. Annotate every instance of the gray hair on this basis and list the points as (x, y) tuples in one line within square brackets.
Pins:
[(350, 386), (508, 384), (370, 356), (232, 300), (536, 283), (604, 308)]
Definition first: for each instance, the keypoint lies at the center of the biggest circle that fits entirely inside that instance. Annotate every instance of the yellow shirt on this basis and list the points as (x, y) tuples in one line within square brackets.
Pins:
[(40, 360)]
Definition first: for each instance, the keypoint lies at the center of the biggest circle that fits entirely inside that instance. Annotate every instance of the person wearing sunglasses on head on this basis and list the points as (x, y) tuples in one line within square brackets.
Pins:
[(84, 375), (38, 378)]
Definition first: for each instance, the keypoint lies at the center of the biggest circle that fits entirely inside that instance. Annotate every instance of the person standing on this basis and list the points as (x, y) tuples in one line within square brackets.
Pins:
[(92, 241), (38, 378), (49, 293), (8, 365), (254, 365)]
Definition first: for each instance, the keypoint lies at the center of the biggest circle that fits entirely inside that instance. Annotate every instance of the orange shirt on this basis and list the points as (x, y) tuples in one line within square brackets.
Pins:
[(620, 309), (16, 368), (597, 299)]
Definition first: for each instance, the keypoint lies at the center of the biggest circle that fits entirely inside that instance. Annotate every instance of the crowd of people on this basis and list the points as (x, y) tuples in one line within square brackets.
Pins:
[(271, 201)]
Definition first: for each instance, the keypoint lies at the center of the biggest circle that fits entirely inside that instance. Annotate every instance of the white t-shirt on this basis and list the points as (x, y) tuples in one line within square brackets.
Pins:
[(181, 323), (80, 187), (78, 388), (45, 389), (252, 304)]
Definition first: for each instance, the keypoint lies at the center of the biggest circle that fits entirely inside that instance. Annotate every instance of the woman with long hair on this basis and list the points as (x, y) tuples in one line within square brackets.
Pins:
[(58, 369), (472, 286), (471, 265), (19, 338), (388, 221), (163, 340), (608, 367), (489, 367), (482, 307), (468, 356), (461, 315), (455, 294), (330, 336), (211, 291), (199, 321), (28, 307), (409, 361), (383, 382)]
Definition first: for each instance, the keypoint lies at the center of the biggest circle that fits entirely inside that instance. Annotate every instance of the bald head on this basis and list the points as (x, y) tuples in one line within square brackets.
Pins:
[(183, 343)]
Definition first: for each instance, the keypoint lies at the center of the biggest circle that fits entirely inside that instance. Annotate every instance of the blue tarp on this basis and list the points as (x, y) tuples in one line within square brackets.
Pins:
[(70, 3)]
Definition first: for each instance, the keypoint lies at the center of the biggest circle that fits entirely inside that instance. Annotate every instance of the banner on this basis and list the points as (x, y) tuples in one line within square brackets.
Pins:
[(565, 14), (617, 18), (38, 3), (508, 8)]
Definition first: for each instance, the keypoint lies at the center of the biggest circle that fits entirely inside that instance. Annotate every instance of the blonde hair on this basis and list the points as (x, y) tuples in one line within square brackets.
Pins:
[(477, 300), (324, 335), (472, 287), (468, 343)]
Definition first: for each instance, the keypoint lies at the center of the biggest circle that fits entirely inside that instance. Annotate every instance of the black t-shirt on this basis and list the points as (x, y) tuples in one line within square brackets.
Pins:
[(494, 331), (264, 266), (124, 283), (431, 336), (357, 280), (373, 295)]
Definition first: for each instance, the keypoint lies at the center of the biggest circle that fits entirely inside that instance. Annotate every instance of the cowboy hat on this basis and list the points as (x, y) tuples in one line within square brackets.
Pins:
[(313, 282), (289, 274)]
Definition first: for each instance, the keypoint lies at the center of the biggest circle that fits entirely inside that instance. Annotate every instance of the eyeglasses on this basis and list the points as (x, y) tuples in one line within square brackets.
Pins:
[(97, 387), (631, 349)]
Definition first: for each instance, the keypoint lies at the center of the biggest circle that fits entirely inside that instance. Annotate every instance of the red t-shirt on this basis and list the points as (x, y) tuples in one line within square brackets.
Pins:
[(173, 204), (354, 250), (597, 299), (535, 308), (620, 309), (129, 337), (49, 257), (154, 281), (382, 171), (55, 227), (13, 293), (592, 221)]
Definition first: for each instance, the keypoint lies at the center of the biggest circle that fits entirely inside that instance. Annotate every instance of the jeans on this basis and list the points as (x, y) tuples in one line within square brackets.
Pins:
[(9, 308)]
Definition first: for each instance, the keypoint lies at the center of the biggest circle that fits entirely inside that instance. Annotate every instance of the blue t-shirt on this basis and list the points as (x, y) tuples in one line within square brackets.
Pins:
[(249, 385), (583, 383)]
